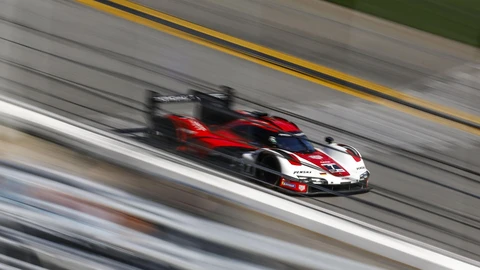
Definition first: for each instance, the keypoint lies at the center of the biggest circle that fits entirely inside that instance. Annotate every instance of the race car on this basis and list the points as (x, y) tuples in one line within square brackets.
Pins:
[(269, 148)]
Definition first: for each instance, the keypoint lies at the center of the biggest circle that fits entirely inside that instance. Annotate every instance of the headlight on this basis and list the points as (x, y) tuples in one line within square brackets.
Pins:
[(364, 176), (319, 181), (303, 179)]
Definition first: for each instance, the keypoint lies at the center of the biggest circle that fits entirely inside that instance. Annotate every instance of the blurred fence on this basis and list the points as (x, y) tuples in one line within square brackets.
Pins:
[(63, 222)]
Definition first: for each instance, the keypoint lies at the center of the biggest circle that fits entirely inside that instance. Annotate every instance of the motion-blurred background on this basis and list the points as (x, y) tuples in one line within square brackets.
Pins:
[(399, 80)]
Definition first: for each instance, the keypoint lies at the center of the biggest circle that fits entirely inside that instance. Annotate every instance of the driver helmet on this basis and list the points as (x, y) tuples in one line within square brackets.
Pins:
[(272, 141)]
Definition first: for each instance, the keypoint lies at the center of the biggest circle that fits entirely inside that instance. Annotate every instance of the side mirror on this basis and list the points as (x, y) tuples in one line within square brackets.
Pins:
[(329, 140)]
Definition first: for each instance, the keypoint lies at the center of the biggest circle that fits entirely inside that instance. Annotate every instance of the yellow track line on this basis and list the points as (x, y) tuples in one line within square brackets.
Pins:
[(316, 67)]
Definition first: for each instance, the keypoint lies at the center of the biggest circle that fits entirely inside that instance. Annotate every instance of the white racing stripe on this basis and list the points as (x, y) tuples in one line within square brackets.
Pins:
[(342, 228)]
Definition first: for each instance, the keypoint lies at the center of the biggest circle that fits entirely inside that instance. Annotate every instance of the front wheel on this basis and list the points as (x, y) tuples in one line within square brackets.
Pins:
[(271, 163)]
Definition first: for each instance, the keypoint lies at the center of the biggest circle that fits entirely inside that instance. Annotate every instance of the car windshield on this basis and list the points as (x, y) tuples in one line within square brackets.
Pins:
[(295, 144)]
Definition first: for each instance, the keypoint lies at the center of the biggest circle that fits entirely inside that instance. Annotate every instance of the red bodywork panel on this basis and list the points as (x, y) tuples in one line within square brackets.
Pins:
[(201, 137), (190, 129), (205, 138), (272, 123)]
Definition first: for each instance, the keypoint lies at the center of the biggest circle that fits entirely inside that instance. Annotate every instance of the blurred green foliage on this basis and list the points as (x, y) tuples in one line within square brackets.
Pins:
[(454, 19)]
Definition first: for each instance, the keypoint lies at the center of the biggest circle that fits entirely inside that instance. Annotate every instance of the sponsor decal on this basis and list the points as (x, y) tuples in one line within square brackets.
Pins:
[(178, 98), (287, 184), (333, 168), (220, 96), (290, 135), (295, 186), (360, 168), (315, 157), (297, 172), (323, 173)]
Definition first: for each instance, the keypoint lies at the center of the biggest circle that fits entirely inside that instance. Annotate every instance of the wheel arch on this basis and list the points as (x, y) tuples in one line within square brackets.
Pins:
[(273, 154)]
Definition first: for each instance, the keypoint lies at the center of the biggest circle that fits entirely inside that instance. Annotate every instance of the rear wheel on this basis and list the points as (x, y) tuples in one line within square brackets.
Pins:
[(271, 163), (163, 133)]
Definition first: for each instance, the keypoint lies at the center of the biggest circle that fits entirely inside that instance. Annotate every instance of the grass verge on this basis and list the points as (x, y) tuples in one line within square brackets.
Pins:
[(454, 19)]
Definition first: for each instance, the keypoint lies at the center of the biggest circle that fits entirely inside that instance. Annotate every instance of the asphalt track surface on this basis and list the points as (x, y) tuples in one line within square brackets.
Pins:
[(81, 63), (416, 63)]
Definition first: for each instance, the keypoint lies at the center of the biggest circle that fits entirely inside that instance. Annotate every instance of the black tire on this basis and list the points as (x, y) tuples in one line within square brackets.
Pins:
[(269, 162), (163, 133)]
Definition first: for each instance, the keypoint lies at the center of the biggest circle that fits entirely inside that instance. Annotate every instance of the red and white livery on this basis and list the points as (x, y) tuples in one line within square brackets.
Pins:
[(268, 148)]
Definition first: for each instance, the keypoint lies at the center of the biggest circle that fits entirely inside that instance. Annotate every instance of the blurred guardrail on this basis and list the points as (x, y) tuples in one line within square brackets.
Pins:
[(173, 168), (53, 219)]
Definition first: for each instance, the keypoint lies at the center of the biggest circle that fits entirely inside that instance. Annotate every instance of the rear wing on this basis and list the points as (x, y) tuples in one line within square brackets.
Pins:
[(215, 108)]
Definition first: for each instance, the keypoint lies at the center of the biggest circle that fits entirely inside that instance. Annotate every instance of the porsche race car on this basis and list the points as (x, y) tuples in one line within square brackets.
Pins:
[(269, 148)]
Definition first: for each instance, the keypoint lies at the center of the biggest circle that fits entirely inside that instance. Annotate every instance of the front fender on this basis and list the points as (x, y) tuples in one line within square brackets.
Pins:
[(348, 156)]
